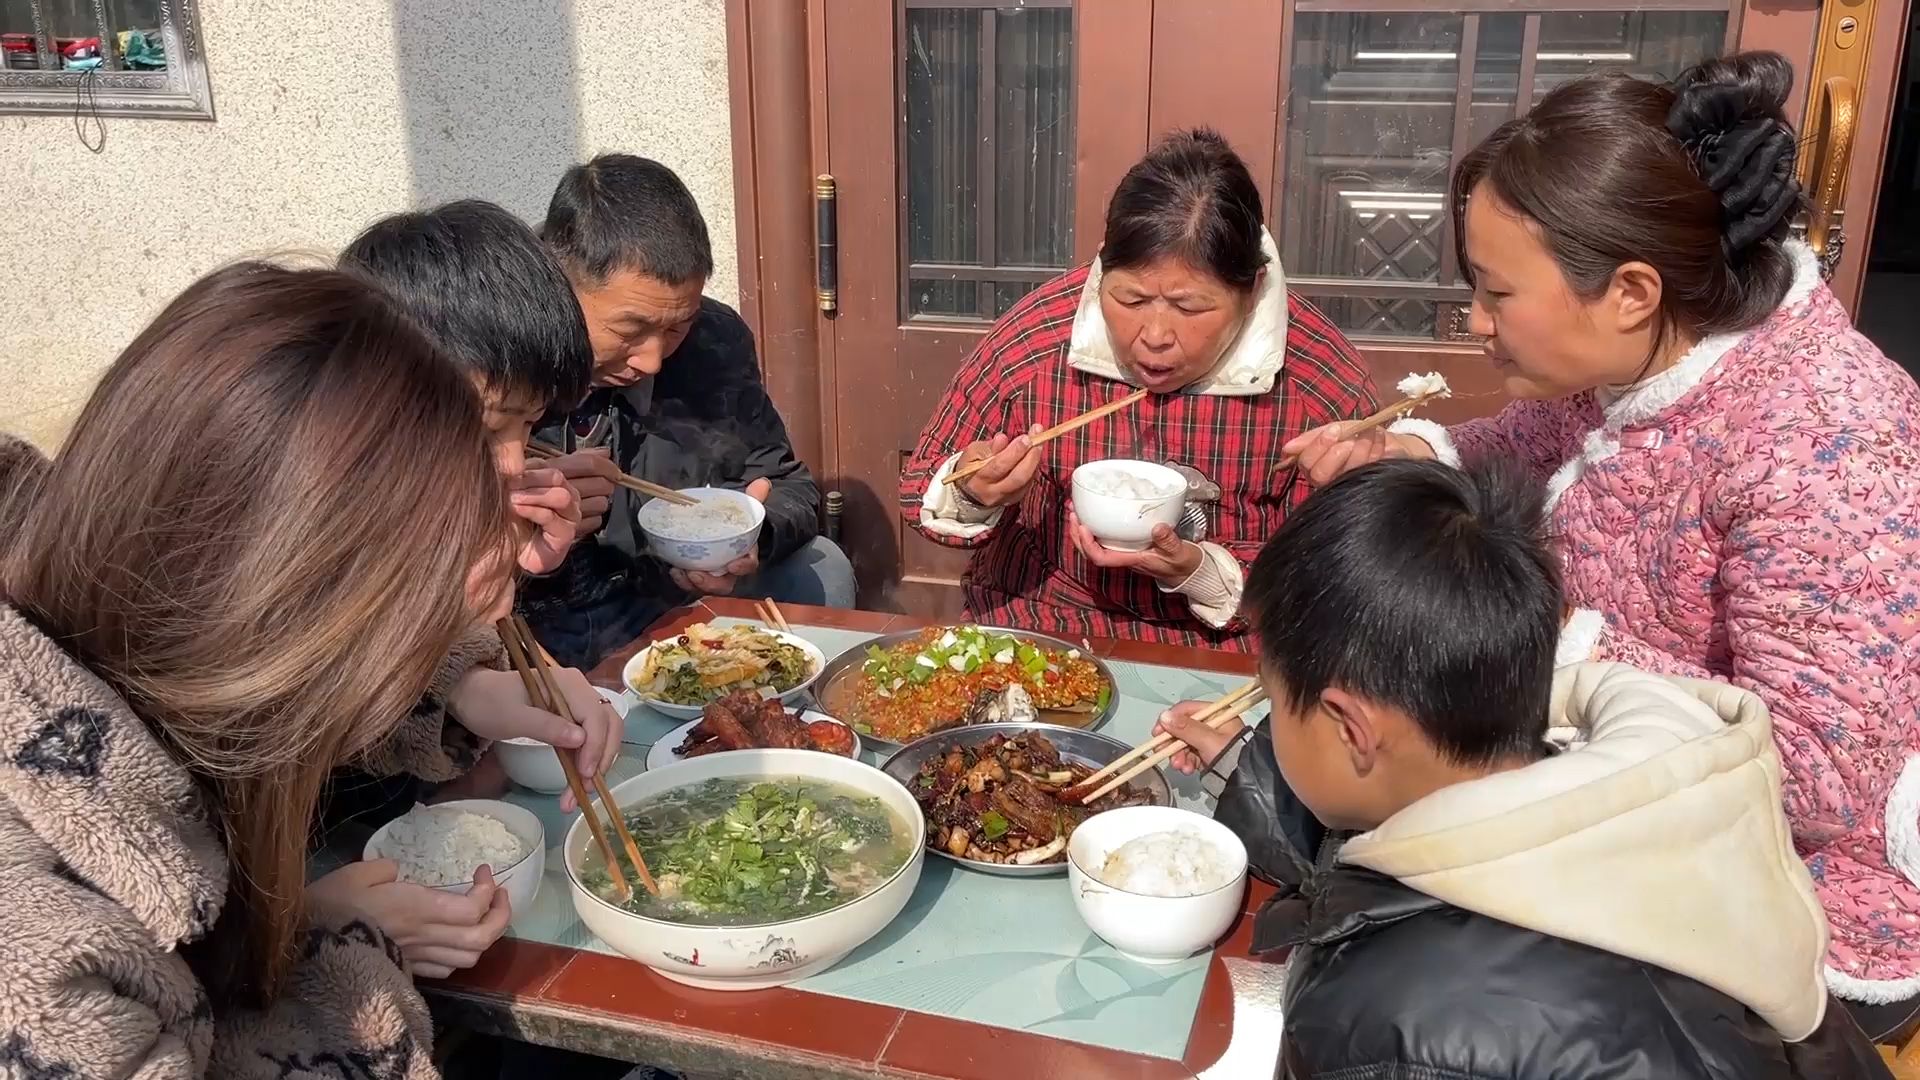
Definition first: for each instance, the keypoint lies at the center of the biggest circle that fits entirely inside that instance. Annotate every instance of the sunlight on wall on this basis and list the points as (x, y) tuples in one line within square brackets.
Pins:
[(330, 114)]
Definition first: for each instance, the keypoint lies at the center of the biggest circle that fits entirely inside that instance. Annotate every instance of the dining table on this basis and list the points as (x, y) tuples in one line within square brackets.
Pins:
[(982, 978)]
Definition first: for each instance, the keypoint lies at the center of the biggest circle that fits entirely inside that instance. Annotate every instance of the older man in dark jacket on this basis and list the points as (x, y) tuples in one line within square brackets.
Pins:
[(677, 399)]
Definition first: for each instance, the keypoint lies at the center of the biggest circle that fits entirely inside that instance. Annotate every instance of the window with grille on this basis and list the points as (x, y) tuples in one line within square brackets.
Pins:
[(1380, 104), (987, 155), (111, 57)]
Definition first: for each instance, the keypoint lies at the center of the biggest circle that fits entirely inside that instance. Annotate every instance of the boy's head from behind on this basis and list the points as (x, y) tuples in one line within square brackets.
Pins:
[(1408, 615), (487, 291)]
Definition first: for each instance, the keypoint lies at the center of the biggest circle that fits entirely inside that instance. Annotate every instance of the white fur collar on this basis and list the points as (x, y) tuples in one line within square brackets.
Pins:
[(1248, 367), (1641, 402), (1638, 404)]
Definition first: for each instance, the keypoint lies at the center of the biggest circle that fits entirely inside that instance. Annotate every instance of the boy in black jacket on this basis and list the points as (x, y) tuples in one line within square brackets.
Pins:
[(1584, 877)]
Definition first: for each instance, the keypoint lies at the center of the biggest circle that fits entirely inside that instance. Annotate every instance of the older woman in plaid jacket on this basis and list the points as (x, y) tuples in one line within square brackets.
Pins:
[(1187, 301)]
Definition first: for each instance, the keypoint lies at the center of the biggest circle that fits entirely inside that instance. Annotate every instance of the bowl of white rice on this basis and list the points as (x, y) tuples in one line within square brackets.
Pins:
[(723, 526), (1120, 500), (441, 846), (1157, 883)]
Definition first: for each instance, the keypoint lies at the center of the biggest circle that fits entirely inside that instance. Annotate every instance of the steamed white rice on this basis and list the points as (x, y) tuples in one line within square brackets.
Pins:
[(1177, 862), (711, 519), (1121, 484), (1432, 384), (441, 845)]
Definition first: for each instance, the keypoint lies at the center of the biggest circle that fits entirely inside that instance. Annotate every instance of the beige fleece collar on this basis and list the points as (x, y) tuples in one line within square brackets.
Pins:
[(1656, 835), (1248, 368)]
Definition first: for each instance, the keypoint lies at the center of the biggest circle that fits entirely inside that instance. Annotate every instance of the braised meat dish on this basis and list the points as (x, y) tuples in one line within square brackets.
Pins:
[(1009, 800), (743, 720)]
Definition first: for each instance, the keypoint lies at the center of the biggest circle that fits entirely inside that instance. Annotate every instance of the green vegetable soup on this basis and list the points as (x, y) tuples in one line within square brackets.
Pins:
[(736, 851)]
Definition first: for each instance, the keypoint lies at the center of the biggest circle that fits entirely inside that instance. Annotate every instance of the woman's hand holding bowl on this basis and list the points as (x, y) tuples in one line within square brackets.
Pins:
[(1327, 453), (439, 932), (1169, 560), (1011, 464)]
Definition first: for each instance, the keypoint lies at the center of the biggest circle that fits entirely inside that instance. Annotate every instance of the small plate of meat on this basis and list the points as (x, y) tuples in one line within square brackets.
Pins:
[(743, 720), (1003, 798)]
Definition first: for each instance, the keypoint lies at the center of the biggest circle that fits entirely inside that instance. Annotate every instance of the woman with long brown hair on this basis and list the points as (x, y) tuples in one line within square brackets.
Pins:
[(204, 606)]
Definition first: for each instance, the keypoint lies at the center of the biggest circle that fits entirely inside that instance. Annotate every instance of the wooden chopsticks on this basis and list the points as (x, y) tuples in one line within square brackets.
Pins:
[(539, 449), (1392, 412), (536, 673), (1056, 431), (1163, 746), (771, 614)]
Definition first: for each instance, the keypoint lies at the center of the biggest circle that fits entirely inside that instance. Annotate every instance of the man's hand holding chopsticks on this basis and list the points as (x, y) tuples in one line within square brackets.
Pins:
[(493, 705), (1204, 744), (1011, 464)]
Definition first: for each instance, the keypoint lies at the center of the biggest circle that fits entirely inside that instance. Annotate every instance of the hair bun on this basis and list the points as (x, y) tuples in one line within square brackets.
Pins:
[(1728, 114)]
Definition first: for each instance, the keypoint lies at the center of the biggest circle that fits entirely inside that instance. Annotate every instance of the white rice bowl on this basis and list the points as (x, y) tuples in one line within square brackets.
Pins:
[(1177, 862), (442, 846), (1153, 850)]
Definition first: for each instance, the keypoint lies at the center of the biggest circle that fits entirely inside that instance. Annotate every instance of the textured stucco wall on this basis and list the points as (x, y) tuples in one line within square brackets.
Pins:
[(330, 114)]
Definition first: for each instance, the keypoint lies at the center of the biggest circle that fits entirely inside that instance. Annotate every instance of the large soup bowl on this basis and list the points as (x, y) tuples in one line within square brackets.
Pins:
[(766, 954)]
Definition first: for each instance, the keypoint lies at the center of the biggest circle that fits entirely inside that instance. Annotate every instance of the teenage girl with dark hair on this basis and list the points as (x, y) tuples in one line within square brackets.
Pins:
[(1730, 464), (1186, 300)]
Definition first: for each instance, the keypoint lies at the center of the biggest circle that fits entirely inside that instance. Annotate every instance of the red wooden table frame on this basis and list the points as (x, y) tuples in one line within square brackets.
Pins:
[(612, 1006)]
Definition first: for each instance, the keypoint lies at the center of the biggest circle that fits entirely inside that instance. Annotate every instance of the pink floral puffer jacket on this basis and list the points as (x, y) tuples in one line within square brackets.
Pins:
[(1752, 514)]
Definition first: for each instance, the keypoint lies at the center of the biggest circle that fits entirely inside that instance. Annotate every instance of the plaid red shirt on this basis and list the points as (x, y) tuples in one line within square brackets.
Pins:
[(1026, 572)]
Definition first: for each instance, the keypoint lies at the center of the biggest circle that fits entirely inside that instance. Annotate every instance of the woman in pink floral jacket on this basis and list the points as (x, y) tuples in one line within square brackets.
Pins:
[(1732, 467)]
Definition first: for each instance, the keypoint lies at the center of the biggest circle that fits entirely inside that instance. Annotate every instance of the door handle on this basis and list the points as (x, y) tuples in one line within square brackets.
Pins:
[(1827, 174)]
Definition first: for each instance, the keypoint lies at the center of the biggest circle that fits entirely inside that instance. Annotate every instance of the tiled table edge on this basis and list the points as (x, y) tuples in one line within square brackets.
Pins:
[(1208, 1042)]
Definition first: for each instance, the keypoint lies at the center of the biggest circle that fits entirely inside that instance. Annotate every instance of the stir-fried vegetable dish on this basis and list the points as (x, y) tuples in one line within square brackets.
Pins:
[(736, 852), (947, 676), (1009, 800), (705, 663)]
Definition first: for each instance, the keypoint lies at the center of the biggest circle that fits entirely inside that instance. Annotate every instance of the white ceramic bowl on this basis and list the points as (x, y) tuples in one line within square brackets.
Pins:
[(1120, 522), (1151, 929), (522, 879), (533, 765), (638, 664), (770, 954), (705, 553)]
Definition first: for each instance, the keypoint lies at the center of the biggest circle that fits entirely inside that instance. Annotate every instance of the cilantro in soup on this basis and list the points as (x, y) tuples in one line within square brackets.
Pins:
[(735, 851)]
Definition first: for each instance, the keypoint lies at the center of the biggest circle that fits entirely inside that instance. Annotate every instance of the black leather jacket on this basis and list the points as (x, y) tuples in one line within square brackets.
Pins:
[(1386, 983), (705, 419)]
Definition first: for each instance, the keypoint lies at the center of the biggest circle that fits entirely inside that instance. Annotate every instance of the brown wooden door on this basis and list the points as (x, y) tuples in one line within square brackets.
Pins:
[(951, 137), (974, 145)]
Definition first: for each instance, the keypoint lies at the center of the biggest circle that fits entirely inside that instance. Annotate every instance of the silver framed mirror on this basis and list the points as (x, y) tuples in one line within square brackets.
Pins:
[(107, 57)]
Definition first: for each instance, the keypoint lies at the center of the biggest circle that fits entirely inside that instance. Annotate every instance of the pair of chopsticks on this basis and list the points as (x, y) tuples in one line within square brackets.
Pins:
[(1385, 416), (1163, 746), (536, 672), (631, 483), (771, 614), (1056, 431)]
